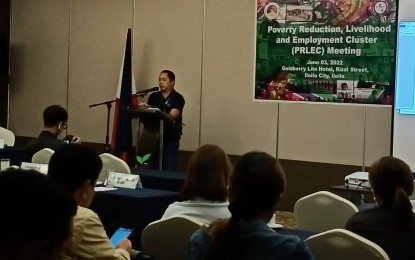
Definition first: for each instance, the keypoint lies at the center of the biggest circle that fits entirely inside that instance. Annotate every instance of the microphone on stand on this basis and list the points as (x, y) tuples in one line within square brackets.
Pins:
[(147, 90)]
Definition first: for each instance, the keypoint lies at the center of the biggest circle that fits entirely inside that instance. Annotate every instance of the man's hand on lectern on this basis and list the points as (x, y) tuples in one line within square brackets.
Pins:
[(143, 104)]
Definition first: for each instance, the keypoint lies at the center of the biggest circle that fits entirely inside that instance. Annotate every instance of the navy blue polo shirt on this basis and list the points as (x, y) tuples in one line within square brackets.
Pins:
[(172, 132)]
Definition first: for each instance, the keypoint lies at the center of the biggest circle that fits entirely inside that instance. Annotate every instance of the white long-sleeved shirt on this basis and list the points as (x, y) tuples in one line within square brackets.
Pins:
[(200, 209)]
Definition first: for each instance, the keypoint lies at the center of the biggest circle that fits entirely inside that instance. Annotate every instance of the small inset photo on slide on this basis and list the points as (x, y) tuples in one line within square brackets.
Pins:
[(345, 90), (272, 10)]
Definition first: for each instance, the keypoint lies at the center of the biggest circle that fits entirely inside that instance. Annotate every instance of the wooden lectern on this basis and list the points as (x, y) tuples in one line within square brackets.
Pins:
[(150, 130)]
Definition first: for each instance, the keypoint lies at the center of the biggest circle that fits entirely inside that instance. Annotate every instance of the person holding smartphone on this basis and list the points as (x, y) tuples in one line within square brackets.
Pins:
[(76, 169), (55, 123)]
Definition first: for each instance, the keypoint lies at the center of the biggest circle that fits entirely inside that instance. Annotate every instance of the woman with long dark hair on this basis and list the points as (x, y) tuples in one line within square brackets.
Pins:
[(255, 187), (204, 192), (391, 224)]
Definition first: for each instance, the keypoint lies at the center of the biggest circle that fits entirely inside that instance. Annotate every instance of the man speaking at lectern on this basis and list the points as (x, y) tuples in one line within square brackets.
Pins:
[(171, 102)]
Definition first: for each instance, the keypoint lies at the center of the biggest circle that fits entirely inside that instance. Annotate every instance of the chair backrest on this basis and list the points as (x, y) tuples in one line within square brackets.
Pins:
[(323, 211), (112, 162), (341, 244), (8, 136), (43, 156), (169, 238), (412, 196)]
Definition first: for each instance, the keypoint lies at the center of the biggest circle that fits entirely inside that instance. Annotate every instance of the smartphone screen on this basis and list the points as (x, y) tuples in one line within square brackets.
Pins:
[(119, 235)]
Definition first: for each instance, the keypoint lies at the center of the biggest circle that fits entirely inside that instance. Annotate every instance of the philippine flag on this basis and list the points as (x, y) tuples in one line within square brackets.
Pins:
[(122, 136)]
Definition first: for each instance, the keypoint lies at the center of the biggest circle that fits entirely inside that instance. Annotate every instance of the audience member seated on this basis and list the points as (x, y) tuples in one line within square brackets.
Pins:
[(55, 122), (36, 219), (391, 223), (204, 191), (255, 187), (76, 169)]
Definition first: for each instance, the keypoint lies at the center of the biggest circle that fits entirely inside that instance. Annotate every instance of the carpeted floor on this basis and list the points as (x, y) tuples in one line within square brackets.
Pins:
[(286, 219)]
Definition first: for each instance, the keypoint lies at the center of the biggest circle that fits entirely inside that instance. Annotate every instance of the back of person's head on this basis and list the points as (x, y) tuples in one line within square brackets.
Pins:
[(36, 220), (207, 174), (392, 182), (74, 164), (53, 115), (255, 186)]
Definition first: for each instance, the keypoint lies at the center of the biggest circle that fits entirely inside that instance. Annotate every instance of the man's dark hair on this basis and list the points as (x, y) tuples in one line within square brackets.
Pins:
[(73, 164), (53, 115), (170, 74), (39, 215)]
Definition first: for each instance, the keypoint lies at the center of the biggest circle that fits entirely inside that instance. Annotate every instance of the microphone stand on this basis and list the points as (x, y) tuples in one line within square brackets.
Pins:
[(108, 103)]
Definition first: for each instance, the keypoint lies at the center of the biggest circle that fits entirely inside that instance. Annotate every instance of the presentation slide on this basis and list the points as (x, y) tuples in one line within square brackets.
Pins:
[(405, 72), (404, 114)]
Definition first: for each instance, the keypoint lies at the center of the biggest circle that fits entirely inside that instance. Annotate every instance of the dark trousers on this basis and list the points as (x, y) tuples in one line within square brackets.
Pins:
[(170, 155)]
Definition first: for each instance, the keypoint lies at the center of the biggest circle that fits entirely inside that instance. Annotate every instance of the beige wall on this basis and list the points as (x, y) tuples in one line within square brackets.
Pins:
[(39, 61), (70, 53), (168, 35)]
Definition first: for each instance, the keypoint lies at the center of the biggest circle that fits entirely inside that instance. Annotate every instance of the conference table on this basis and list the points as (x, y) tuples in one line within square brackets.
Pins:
[(160, 180), (15, 154), (131, 209), (137, 208), (357, 195)]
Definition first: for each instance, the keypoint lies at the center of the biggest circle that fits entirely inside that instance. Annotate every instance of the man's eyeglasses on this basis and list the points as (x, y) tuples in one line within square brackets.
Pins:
[(64, 126)]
